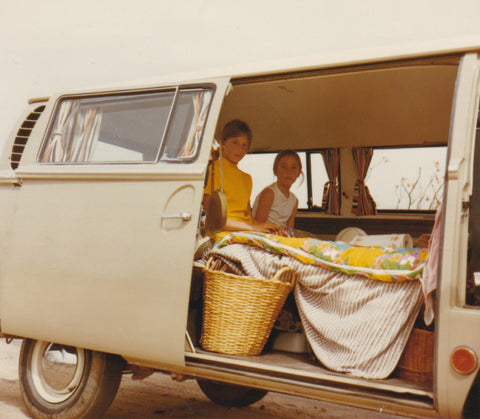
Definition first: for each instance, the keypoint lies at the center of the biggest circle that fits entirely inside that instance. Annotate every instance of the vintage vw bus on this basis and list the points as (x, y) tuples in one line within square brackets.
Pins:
[(100, 198)]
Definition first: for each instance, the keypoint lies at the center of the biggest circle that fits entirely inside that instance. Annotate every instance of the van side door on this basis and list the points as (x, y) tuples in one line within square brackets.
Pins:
[(454, 320), (107, 217)]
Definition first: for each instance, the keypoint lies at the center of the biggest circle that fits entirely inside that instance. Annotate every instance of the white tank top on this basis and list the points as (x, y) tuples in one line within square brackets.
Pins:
[(281, 208)]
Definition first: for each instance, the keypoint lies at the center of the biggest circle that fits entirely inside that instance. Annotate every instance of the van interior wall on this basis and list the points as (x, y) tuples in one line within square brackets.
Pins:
[(383, 105)]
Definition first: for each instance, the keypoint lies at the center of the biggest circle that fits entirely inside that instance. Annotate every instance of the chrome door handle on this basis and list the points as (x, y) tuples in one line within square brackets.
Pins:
[(184, 216)]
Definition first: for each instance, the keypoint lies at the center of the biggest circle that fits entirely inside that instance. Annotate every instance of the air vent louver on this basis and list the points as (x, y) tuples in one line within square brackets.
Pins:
[(22, 136)]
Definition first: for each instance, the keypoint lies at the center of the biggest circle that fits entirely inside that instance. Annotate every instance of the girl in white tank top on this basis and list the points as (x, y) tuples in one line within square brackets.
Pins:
[(276, 203)]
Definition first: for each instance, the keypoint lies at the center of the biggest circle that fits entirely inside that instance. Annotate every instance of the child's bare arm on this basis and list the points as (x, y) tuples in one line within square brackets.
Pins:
[(265, 202), (291, 219), (267, 227)]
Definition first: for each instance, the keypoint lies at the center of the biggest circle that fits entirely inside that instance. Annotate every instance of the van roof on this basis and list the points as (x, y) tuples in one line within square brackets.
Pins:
[(358, 56), (362, 54)]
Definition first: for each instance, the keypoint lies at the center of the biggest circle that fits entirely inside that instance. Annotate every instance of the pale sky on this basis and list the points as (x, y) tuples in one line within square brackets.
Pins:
[(49, 46)]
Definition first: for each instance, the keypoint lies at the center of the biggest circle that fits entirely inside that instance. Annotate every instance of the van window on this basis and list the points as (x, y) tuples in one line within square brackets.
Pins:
[(186, 125), (260, 167), (415, 177), (128, 128)]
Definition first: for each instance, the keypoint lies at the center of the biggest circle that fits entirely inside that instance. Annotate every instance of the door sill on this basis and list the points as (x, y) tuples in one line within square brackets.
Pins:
[(304, 371)]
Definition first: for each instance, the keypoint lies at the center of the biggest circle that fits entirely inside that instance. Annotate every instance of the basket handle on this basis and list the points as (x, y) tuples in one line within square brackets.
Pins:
[(209, 262), (285, 271), (215, 264)]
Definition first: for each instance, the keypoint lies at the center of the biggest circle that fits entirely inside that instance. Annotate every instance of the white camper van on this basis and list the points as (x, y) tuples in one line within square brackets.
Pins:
[(101, 232)]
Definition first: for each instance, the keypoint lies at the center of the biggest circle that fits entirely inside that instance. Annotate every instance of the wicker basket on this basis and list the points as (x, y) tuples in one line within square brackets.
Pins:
[(239, 311), (416, 362)]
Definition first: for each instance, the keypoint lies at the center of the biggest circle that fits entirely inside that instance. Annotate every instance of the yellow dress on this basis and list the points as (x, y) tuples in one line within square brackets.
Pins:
[(237, 186)]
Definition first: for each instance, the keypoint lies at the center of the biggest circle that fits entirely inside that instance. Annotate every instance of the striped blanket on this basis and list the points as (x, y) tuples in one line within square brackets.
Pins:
[(354, 324)]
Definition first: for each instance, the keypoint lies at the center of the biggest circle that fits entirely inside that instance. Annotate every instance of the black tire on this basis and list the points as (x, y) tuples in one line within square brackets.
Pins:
[(471, 409), (229, 394), (64, 382)]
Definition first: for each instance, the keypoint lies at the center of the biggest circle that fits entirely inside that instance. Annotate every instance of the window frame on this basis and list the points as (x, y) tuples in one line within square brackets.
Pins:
[(308, 174), (314, 209), (176, 89)]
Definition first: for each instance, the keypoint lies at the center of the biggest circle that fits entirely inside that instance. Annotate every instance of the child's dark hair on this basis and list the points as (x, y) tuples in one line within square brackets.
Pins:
[(236, 128), (283, 154)]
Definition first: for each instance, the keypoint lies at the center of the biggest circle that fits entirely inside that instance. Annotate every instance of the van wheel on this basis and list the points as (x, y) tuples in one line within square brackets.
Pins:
[(66, 382), (229, 394), (471, 409)]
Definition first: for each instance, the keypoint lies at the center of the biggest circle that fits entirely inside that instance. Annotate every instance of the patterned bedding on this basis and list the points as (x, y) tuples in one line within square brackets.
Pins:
[(380, 263)]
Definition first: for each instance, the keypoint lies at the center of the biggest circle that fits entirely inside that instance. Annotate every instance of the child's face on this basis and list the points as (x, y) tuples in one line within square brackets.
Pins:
[(235, 148), (287, 171)]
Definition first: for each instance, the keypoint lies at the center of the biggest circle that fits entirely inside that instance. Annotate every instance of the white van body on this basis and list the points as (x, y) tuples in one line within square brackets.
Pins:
[(98, 255)]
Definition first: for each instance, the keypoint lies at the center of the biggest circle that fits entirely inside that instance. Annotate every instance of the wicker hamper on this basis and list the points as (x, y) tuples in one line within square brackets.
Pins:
[(239, 311), (416, 362)]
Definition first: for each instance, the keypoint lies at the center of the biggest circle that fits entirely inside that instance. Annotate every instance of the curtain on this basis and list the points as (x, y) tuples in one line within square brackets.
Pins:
[(74, 134), (201, 101), (363, 203), (55, 150), (331, 197), (84, 135)]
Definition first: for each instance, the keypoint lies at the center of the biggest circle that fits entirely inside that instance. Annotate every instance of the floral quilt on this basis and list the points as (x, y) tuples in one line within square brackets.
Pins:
[(380, 263)]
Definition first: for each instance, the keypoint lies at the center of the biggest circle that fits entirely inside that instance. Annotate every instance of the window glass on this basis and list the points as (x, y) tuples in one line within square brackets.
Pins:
[(186, 126), (407, 178), (127, 128), (260, 167)]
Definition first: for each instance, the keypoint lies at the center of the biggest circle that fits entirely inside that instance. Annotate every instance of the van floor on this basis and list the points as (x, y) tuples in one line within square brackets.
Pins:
[(303, 368)]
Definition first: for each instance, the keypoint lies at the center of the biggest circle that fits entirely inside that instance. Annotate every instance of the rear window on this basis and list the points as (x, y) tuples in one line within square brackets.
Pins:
[(260, 167), (407, 178), (132, 128)]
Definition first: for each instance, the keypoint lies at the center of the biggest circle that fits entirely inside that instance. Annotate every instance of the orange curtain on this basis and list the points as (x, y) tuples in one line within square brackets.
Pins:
[(363, 203), (331, 197)]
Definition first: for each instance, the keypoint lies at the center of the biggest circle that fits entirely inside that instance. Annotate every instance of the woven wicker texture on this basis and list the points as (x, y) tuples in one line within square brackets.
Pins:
[(239, 311), (416, 362)]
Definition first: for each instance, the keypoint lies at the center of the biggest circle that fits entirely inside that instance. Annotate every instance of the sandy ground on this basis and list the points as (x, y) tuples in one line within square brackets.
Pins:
[(158, 397)]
